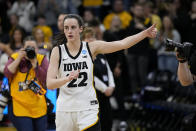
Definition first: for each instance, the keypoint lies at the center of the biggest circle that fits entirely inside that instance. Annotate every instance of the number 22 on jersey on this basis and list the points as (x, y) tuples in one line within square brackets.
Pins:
[(82, 77)]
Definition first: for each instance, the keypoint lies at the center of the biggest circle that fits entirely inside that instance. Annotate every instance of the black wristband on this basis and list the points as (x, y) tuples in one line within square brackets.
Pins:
[(182, 61)]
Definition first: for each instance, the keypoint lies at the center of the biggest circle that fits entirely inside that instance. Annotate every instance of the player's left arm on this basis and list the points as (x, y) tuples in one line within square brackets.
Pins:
[(103, 47)]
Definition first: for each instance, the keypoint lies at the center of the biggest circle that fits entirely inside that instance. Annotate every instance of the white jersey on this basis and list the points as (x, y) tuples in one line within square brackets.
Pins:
[(79, 94)]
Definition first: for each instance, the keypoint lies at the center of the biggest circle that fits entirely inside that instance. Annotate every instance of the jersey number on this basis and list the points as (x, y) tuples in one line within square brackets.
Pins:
[(84, 77)]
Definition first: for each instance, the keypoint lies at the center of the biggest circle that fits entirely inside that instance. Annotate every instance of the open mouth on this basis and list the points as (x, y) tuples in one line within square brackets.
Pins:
[(70, 36)]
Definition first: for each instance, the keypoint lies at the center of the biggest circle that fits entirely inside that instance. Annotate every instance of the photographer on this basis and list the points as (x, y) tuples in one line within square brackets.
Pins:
[(26, 71), (186, 75)]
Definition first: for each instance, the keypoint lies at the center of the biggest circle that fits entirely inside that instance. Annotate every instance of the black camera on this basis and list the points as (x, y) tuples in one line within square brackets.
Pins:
[(30, 52), (184, 48)]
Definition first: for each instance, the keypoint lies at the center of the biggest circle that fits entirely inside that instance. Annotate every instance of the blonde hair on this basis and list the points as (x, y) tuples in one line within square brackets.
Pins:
[(87, 30)]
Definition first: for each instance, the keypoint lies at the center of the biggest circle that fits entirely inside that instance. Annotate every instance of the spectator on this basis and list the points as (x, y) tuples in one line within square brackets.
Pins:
[(179, 13), (94, 6), (45, 28), (104, 83), (14, 22), (60, 22), (16, 41), (25, 9), (88, 16), (125, 17), (151, 16), (44, 47), (117, 62), (60, 33), (138, 56), (27, 109), (68, 6), (167, 60), (97, 27), (48, 9)]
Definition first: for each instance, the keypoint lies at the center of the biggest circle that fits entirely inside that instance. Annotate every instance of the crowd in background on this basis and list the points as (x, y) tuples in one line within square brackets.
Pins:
[(111, 20)]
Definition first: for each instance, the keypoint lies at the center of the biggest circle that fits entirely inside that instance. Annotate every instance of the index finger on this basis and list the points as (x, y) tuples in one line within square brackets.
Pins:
[(22, 49)]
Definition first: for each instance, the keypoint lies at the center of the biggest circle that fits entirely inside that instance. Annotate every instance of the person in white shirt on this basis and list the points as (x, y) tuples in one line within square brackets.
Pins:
[(104, 83)]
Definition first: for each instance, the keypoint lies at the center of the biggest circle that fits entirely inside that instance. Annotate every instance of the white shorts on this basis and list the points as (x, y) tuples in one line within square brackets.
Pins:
[(76, 121)]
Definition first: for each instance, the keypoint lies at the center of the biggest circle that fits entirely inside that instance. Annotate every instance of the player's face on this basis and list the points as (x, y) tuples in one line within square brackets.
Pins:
[(71, 29), (17, 36)]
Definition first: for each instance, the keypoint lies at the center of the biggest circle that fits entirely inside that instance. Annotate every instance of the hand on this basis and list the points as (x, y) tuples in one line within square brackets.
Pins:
[(21, 53), (108, 92), (34, 62), (180, 57), (151, 32), (73, 75)]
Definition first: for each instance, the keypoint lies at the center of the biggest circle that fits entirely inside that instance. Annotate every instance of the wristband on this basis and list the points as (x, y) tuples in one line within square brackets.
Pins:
[(182, 61)]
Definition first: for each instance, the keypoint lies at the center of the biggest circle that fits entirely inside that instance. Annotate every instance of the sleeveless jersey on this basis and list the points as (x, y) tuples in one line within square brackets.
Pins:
[(78, 94)]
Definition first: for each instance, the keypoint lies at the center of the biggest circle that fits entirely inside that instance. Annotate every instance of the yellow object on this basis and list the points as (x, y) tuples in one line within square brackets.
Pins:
[(45, 46), (47, 32), (7, 129), (26, 102), (156, 19), (125, 18), (90, 3)]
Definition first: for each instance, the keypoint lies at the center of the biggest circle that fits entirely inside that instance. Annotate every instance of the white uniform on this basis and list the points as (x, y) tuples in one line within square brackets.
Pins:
[(77, 96)]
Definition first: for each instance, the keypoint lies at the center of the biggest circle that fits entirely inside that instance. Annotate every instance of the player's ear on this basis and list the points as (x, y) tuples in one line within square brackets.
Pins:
[(81, 29)]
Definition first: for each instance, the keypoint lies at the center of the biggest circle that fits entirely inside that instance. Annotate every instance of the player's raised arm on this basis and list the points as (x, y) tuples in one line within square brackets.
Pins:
[(109, 47)]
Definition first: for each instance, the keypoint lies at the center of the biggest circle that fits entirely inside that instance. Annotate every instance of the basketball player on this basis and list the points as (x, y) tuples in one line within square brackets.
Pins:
[(71, 70)]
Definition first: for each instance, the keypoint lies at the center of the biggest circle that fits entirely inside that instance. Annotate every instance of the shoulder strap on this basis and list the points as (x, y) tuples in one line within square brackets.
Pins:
[(89, 51), (27, 75)]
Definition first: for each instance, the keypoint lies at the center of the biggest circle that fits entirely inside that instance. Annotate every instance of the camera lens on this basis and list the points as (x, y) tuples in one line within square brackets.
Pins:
[(30, 52)]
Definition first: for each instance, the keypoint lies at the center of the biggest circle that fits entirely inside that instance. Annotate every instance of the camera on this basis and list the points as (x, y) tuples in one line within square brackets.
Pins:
[(30, 52), (184, 48)]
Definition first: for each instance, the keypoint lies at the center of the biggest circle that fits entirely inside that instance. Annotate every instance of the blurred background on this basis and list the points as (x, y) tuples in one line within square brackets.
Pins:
[(148, 95)]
